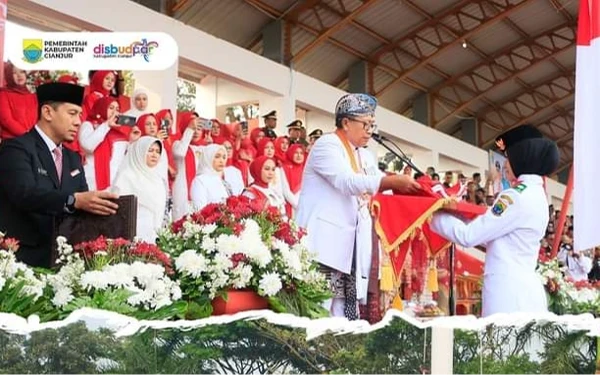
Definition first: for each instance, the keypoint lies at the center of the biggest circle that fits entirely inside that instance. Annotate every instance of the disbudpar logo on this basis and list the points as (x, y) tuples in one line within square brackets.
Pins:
[(142, 48), (93, 50)]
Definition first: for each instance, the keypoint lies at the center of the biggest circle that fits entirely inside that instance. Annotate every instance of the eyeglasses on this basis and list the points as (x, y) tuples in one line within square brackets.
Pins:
[(367, 126)]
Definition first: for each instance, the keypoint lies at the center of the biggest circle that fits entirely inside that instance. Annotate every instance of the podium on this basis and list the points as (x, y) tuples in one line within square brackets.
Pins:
[(402, 225), (84, 226)]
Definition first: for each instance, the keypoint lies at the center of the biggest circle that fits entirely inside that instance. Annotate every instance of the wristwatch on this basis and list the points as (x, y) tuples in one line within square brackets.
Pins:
[(70, 204)]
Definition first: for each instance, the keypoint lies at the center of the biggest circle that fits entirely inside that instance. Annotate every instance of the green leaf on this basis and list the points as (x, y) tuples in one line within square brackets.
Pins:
[(175, 310), (198, 309)]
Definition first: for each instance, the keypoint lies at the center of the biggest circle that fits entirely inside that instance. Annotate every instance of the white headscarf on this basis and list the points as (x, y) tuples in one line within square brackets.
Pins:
[(205, 162), (133, 111), (137, 178)]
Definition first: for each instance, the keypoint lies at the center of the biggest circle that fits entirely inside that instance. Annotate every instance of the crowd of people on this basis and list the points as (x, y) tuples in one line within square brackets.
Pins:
[(174, 167), (68, 148)]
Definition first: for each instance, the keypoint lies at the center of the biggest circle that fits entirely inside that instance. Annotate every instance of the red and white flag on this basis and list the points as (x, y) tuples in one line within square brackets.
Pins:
[(586, 150)]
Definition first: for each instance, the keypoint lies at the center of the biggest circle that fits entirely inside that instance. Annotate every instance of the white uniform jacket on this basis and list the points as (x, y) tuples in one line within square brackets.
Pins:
[(511, 230), (328, 206)]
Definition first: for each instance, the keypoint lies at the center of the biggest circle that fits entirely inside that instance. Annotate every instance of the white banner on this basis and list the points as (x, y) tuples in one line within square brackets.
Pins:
[(586, 199), (93, 51)]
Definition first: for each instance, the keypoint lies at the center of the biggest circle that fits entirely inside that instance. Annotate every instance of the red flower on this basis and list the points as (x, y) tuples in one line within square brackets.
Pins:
[(286, 234), (197, 218), (177, 226), (552, 286), (582, 284), (124, 250), (10, 244), (238, 228), (210, 209), (301, 233), (256, 205), (151, 253), (273, 214), (237, 258), (118, 242), (235, 201)]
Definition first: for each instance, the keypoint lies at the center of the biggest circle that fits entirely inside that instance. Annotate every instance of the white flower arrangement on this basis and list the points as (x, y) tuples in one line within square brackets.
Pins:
[(125, 286), (567, 296), (13, 272), (230, 260), (235, 246), (21, 289)]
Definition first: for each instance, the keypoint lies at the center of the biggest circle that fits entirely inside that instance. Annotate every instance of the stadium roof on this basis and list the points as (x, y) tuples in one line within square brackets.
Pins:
[(503, 62)]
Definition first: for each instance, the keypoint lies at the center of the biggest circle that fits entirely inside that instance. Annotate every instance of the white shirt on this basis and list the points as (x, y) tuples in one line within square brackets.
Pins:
[(282, 187), (235, 179), (512, 230), (181, 203), (328, 206), (207, 189), (577, 268), (89, 140), (50, 143)]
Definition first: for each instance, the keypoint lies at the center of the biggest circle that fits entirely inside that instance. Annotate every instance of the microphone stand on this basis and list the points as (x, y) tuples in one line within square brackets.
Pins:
[(452, 255), (381, 140), (451, 296)]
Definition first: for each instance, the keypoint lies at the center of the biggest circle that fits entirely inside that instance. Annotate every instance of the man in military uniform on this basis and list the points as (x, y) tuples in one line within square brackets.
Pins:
[(270, 124), (295, 131), (312, 138), (314, 135)]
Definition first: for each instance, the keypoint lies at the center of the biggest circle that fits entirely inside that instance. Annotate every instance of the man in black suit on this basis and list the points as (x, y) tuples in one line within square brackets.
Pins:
[(32, 191)]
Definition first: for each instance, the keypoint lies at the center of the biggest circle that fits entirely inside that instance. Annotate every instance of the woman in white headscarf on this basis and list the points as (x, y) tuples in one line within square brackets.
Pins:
[(137, 176), (210, 184), (139, 103)]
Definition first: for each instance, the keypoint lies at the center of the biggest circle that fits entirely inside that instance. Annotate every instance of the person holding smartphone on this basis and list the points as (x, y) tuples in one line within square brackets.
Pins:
[(187, 152), (149, 126), (104, 142), (164, 117), (577, 265)]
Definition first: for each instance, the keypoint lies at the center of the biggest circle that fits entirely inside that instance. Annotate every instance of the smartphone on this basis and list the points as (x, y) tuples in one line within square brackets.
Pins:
[(164, 125), (206, 124), (126, 120), (244, 126)]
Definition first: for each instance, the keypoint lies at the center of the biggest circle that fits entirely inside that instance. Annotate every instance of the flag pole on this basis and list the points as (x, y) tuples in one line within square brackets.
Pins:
[(563, 214), (451, 294)]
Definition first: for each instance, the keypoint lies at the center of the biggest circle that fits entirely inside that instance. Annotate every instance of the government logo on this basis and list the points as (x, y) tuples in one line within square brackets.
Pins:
[(32, 50)]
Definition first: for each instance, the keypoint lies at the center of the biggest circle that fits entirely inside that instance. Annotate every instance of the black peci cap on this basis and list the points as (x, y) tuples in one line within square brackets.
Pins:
[(60, 92)]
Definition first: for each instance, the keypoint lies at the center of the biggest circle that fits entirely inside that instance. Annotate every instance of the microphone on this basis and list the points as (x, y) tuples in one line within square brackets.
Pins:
[(381, 139)]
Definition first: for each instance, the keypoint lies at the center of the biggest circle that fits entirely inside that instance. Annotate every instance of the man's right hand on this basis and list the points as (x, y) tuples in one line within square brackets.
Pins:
[(96, 202), (401, 183)]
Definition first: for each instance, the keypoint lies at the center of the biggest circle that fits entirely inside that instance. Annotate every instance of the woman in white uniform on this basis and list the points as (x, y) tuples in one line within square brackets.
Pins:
[(511, 231)]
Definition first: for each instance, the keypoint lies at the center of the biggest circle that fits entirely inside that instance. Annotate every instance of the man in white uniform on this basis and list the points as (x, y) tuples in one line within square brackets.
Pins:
[(335, 190), (511, 231)]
